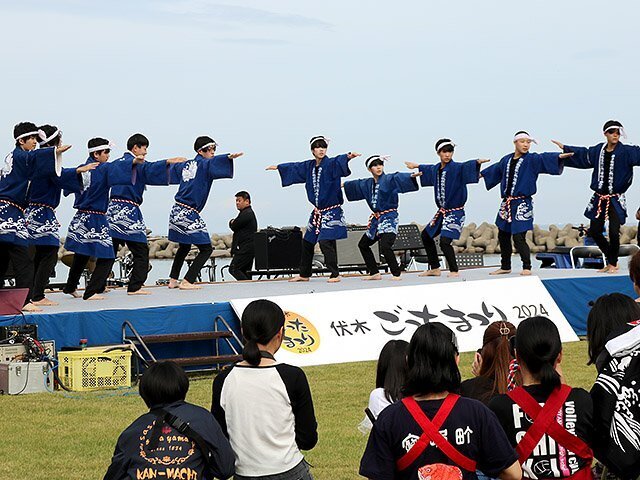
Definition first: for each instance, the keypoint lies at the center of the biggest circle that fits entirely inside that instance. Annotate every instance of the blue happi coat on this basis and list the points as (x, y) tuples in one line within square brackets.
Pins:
[(382, 198), (516, 209), (125, 217), (195, 178), (44, 198), (450, 191), (322, 183), (89, 229), (19, 167), (623, 159)]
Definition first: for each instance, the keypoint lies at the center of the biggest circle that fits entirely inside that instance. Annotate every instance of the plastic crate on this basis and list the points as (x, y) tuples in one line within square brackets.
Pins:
[(95, 368)]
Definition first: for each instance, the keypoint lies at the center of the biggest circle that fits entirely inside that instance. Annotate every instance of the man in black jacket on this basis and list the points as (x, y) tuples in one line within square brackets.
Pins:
[(244, 227)]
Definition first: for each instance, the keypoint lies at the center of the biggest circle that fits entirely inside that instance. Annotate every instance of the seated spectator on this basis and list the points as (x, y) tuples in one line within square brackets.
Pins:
[(263, 406), (552, 441), (153, 447), (466, 434), (493, 364), (390, 375)]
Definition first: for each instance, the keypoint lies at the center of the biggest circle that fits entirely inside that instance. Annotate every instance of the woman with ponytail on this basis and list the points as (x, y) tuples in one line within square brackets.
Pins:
[(263, 406), (548, 422)]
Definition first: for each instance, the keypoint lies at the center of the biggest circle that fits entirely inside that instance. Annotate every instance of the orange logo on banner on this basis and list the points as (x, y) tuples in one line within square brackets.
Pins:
[(300, 336)]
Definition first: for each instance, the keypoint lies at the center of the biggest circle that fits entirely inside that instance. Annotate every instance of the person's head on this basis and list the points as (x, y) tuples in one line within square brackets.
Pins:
[(205, 146), (243, 200), (432, 361), (392, 369), (444, 149), (52, 136), (162, 383), (138, 145), (319, 145), (375, 164), (608, 313), (539, 350), (262, 325), (26, 135), (634, 272), (496, 354), (99, 149), (522, 141), (612, 131)]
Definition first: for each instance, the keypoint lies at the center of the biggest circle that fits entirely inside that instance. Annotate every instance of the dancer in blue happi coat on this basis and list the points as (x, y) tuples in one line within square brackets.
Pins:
[(125, 218), (42, 224), (517, 174), (612, 173), (321, 177), (381, 194), (89, 234), (186, 226), (26, 163), (450, 180)]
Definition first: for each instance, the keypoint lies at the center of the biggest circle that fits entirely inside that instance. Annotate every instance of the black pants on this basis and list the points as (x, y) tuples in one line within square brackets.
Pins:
[(241, 264), (520, 242), (432, 252), (611, 247), (44, 263), (140, 269), (328, 249), (386, 242), (204, 252), (22, 265), (98, 278)]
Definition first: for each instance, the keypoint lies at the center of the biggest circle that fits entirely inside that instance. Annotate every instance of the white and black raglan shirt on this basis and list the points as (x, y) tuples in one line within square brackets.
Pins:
[(267, 414)]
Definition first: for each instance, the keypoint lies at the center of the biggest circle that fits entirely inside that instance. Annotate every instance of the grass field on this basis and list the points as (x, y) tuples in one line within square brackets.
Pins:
[(71, 436)]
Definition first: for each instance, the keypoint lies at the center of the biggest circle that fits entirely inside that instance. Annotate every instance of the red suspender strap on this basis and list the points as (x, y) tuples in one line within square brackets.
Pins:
[(544, 421), (431, 433)]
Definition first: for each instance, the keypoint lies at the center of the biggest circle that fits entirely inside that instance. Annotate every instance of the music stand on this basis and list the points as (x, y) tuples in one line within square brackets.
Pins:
[(12, 300)]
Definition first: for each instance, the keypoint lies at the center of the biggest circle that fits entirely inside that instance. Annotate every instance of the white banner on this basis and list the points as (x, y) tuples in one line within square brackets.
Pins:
[(354, 325)]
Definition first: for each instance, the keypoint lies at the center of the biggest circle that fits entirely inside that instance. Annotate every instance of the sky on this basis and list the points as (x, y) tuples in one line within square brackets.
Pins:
[(377, 77)]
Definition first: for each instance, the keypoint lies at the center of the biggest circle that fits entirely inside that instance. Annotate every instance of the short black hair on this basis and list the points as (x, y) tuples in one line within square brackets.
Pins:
[(48, 131), (392, 369), (261, 321), (201, 142), (162, 383), (94, 142), (319, 143), (244, 195), (611, 123), (137, 140), (374, 163), (537, 347), (432, 361), (22, 128), (521, 131), (446, 148)]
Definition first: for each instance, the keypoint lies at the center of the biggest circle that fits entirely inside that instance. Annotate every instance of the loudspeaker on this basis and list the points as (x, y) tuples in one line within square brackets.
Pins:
[(277, 249), (348, 251)]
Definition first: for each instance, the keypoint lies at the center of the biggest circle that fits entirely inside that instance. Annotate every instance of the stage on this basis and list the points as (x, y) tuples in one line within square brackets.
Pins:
[(180, 311)]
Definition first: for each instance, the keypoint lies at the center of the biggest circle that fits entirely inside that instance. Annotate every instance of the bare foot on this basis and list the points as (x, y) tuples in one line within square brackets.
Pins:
[(434, 272), (45, 302), (377, 276), (453, 274), (140, 292), (605, 269), (185, 285), (334, 280), (30, 307), (613, 269), (173, 283), (96, 297), (500, 271), (75, 294), (299, 279), (525, 273), (396, 279)]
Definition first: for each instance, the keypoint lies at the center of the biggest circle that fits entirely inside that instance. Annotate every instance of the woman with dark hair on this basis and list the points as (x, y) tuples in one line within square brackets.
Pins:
[(158, 443), (466, 434), (634, 268), (390, 376), (265, 407), (549, 423), (494, 361)]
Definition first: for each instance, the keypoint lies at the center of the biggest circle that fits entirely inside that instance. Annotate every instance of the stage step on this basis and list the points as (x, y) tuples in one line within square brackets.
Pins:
[(183, 337), (211, 360)]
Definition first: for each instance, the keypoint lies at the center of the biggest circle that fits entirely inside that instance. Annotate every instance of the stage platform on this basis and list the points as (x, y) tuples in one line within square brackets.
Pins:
[(173, 311)]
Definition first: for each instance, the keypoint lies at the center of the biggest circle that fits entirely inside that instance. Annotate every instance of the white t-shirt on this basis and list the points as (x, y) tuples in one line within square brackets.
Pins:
[(377, 402)]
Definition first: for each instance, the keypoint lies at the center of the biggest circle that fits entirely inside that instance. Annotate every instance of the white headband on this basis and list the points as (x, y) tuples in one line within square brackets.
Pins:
[(53, 135), (211, 144), (104, 146), (520, 136), (444, 144), (382, 158), (39, 133), (315, 139), (623, 134)]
